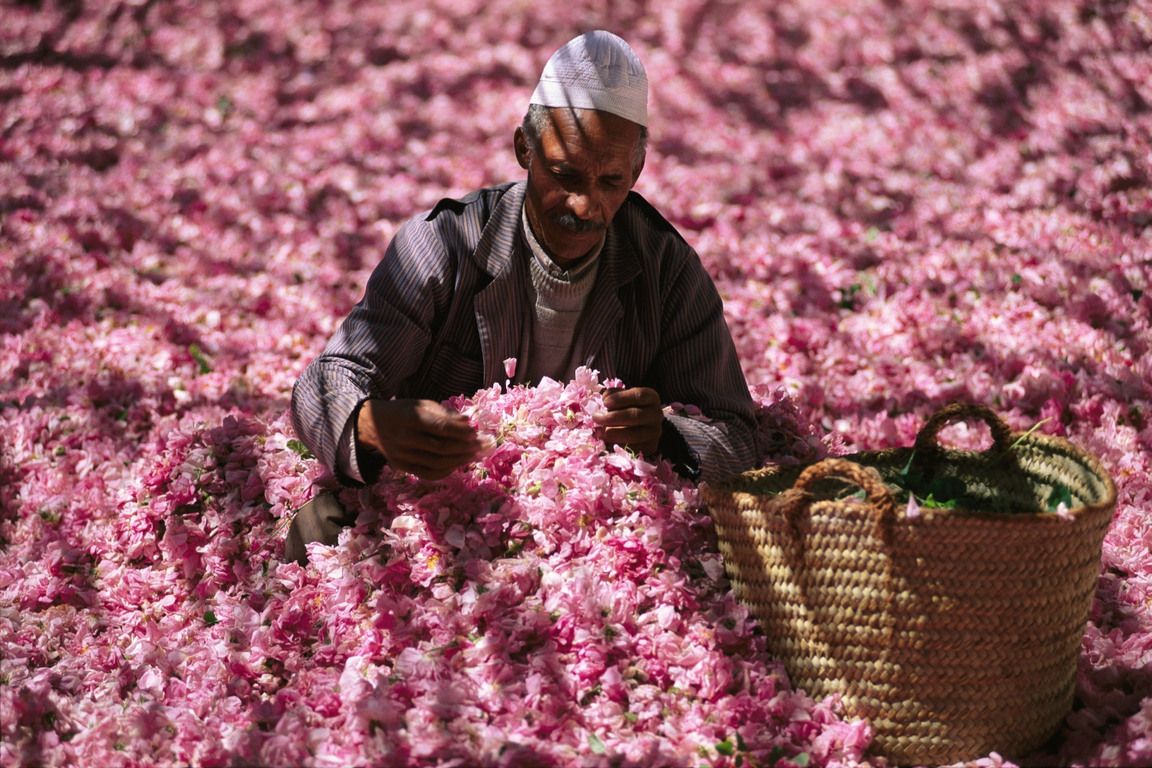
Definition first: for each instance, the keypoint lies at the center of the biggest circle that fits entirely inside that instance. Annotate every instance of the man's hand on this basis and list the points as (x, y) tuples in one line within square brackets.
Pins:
[(418, 436), (634, 419)]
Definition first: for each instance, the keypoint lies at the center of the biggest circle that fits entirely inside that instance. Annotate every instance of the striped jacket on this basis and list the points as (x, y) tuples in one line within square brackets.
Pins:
[(447, 305)]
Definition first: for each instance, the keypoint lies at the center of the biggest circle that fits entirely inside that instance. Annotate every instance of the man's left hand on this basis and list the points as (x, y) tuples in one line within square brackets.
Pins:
[(634, 419)]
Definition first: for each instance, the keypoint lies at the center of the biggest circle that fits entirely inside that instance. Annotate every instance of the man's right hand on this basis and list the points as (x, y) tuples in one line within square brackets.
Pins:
[(418, 436)]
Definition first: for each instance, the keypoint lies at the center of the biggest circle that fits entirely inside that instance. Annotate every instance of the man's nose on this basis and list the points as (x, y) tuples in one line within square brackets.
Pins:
[(583, 204)]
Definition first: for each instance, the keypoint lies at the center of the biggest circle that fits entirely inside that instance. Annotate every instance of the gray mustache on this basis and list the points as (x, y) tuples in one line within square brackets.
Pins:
[(576, 225)]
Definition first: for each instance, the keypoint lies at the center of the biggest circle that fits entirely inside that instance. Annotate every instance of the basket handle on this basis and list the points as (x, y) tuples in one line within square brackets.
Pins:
[(876, 491), (865, 477), (926, 442)]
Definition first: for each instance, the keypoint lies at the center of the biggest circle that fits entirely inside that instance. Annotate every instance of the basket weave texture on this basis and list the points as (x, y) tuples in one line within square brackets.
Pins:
[(955, 632)]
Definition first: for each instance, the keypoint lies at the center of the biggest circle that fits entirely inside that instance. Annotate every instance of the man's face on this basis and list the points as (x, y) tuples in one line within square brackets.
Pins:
[(578, 177)]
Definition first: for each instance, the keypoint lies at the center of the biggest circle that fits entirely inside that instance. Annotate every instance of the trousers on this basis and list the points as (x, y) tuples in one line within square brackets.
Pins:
[(321, 519)]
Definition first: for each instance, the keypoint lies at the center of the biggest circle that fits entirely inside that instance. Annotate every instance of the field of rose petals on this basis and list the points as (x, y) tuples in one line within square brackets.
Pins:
[(904, 204)]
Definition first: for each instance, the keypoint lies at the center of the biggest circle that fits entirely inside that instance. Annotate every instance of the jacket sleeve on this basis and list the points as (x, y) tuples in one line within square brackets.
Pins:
[(379, 345), (697, 366)]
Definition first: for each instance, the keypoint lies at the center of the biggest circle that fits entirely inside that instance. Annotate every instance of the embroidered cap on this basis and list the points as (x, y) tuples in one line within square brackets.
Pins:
[(596, 70)]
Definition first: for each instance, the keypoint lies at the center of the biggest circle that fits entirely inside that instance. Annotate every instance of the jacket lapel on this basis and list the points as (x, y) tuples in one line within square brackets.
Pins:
[(500, 305), (618, 267)]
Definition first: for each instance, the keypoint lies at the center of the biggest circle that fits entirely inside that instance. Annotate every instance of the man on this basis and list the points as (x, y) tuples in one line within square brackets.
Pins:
[(569, 268)]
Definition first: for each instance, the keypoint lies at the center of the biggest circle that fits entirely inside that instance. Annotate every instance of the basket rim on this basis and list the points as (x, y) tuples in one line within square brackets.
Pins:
[(734, 487)]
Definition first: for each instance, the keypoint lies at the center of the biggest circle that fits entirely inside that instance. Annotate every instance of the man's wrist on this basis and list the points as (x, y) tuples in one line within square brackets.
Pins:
[(369, 459), (675, 449)]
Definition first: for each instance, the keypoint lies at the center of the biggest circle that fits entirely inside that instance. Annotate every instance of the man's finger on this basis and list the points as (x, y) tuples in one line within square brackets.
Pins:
[(640, 439), (634, 419), (631, 407), (634, 397), (436, 420), (422, 471), (629, 435), (630, 417), (436, 454), (429, 464)]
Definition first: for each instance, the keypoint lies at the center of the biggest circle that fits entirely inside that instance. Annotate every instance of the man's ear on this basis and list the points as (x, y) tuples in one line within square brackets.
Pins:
[(520, 144), (638, 170)]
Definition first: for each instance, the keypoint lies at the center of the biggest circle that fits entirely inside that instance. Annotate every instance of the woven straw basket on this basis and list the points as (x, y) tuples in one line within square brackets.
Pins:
[(955, 632)]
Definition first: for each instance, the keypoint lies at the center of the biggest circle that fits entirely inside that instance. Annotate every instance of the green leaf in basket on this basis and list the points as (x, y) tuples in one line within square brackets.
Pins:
[(596, 745), (946, 490), (911, 480), (907, 469), (941, 492), (1060, 495), (930, 502), (726, 747)]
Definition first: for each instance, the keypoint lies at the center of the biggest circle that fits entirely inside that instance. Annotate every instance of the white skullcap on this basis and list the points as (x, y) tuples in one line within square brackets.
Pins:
[(596, 70)]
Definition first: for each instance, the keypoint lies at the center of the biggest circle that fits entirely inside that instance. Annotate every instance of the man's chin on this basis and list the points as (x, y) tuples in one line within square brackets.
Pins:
[(590, 231), (572, 247)]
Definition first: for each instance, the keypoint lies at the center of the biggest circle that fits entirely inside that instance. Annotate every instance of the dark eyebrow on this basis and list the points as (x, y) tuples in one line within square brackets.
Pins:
[(564, 167)]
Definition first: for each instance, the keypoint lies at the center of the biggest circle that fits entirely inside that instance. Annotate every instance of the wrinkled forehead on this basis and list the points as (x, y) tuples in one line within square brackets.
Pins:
[(589, 131)]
